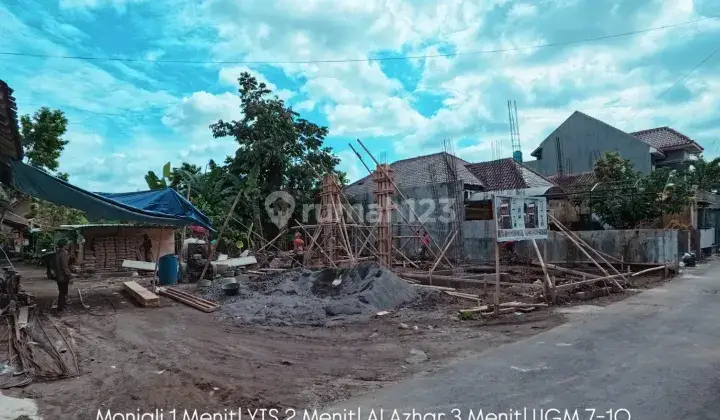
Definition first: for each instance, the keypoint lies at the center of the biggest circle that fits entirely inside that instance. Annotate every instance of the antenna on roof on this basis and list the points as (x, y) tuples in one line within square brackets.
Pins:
[(514, 131)]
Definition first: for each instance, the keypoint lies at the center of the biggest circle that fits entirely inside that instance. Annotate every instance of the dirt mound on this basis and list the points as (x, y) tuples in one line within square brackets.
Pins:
[(303, 297)]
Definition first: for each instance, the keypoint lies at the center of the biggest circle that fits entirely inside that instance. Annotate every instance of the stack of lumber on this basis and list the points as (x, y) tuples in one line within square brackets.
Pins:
[(140, 294), (188, 299)]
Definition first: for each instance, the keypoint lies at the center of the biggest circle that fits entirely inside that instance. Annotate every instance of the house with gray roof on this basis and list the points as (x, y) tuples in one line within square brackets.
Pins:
[(575, 145)]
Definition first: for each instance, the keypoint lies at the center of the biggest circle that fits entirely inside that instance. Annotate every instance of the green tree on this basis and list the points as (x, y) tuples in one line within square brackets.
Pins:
[(703, 174), (625, 199), (284, 149), (42, 139), (43, 144)]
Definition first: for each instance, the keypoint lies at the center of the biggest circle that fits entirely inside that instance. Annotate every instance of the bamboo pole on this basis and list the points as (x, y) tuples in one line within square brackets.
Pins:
[(320, 248), (405, 257), (570, 285), (445, 248), (397, 189), (579, 239), (550, 285), (649, 270), (282, 231), (222, 230), (582, 249), (311, 246), (184, 229), (157, 261), (253, 232)]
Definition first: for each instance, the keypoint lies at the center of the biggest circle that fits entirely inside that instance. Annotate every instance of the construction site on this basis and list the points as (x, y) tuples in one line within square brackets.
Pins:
[(374, 293)]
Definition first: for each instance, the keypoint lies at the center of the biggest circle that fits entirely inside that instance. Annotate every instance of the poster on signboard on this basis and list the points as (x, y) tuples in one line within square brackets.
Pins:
[(520, 218)]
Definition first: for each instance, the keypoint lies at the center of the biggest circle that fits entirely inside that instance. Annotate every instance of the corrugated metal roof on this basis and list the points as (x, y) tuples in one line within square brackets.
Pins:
[(419, 171), (115, 225)]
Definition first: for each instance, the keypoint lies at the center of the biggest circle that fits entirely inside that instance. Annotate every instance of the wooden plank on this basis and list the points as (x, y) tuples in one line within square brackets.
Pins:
[(239, 262), (193, 303), (142, 295), (567, 270), (191, 297), (23, 317), (186, 296), (473, 310), (139, 265), (463, 296)]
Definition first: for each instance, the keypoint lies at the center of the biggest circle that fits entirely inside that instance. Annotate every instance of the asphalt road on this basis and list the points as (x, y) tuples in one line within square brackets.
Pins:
[(652, 356)]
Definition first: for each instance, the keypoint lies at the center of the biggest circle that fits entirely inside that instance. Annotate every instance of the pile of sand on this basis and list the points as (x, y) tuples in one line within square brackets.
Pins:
[(304, 297)]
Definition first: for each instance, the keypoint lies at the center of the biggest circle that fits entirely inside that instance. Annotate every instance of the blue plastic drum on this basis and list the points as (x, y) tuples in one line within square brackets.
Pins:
[(168, 269)]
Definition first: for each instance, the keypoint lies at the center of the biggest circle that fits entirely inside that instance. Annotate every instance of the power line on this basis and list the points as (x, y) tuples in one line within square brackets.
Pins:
[(355, 60), (674, 84)]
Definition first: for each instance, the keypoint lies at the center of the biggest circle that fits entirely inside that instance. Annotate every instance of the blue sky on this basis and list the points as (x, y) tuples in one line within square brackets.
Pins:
[(129, 117)]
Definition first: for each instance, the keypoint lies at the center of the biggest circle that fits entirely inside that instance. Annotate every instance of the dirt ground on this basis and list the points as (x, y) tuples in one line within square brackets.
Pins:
[(175, 357)]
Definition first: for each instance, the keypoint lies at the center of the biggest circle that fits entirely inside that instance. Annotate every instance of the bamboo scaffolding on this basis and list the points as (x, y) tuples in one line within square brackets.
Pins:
[(320, 248), (222, 230), (400, 193), (572, 236), (449, 242)]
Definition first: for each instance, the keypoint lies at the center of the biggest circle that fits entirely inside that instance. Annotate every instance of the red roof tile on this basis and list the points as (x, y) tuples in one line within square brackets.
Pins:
[(507, 174), (577, 181), (664, 138)]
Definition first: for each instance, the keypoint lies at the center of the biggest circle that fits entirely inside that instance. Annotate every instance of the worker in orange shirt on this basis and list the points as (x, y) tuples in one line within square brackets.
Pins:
[(298, 249)]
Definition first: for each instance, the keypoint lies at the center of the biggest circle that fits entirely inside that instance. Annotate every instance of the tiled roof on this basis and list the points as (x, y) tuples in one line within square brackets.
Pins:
[(663, 138), (571, 182), (419, 171), (507, 174), (9, 135)]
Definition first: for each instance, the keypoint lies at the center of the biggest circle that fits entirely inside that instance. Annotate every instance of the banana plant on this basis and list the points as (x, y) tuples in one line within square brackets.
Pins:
[(157, 183)]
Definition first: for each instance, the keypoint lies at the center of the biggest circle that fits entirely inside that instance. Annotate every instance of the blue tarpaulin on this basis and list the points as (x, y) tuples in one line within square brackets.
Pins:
[(157, 207)]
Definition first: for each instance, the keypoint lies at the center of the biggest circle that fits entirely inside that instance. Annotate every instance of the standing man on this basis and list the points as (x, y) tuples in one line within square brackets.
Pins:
[(63, 274), (299, 248), (146, 248), (424, 245)]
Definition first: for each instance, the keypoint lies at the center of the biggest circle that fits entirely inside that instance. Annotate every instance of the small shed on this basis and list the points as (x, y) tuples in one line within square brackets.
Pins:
[(104, 247)]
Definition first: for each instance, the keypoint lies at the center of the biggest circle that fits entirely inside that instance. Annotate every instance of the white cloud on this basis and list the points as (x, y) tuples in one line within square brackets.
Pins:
[(522, 11), (350, 164), (119, 5), (307, 105)]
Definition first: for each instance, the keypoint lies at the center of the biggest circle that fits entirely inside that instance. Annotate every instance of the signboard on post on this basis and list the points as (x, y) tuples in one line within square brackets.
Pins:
[(520, 218)]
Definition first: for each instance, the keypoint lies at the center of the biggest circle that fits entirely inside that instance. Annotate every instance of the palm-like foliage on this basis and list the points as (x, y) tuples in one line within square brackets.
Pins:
[(704, 175)]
